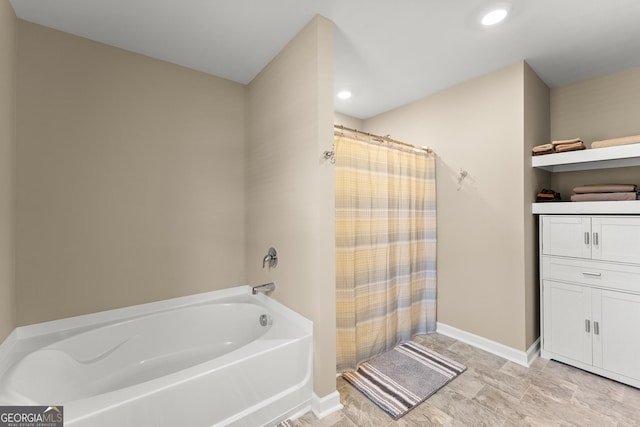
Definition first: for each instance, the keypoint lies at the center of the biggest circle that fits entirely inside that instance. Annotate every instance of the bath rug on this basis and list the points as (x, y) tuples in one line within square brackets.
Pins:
[(285, 423), (399, 380)]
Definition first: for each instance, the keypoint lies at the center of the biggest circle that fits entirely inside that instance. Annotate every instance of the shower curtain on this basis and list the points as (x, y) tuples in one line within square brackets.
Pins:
[(386, 247)]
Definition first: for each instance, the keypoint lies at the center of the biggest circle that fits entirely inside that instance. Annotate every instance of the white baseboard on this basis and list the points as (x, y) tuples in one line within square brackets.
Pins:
[(517, 356), (533, 352), (323, 406)]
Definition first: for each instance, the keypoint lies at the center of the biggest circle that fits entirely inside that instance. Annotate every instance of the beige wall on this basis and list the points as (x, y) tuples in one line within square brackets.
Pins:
[(290, 200), (130, 178), (477, 126), (348, 121), (594, 109), (8, 66), (536, 132)]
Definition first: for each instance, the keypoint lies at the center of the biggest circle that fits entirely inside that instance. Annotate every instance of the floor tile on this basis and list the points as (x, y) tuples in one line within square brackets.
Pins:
[(463, 411), (496, 392), (512, 408)]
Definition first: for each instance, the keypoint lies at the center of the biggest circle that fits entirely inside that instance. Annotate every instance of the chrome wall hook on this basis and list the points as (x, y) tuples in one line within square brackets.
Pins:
[(329, 155)]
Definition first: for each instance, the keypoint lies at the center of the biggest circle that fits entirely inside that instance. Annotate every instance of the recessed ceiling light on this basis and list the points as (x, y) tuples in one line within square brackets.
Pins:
[(493, 17), (344, 94)]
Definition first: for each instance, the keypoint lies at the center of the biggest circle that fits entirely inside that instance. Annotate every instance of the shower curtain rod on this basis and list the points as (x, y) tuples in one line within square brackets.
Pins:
[(381, 138)]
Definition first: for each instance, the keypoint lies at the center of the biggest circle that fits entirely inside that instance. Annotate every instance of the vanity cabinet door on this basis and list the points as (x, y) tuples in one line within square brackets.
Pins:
[(616, 239), (568, 236), (616, 337), (567, 320)]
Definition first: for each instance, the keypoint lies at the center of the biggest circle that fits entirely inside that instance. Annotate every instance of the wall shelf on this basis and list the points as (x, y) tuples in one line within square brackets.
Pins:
[(595, 158), (625, 207)]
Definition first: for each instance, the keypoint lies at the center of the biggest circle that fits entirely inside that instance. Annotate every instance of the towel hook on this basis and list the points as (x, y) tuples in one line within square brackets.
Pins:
[(461, 177), (329, 155)]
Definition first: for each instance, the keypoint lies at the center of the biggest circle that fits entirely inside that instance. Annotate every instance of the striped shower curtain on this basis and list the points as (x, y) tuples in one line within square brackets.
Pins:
[(386, 247)]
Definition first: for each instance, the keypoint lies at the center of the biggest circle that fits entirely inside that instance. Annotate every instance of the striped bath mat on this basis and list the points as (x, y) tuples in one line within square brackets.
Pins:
[(399, 380)]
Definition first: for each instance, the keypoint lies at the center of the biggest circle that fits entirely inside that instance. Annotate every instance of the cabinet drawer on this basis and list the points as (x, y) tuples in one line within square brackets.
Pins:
[(602, 274)]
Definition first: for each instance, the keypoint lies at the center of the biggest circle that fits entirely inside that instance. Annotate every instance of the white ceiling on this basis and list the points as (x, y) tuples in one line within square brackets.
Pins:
[(387, 52)]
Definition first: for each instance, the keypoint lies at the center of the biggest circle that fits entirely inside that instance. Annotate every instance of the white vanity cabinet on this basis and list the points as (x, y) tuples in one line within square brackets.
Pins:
[(606, 238), (590, 275)]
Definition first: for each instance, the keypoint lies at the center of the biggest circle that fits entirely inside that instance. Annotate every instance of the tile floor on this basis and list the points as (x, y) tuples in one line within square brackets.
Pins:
[(496, 392)]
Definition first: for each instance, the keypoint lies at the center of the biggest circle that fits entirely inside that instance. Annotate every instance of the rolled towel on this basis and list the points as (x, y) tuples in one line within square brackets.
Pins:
[(605, 188), (565, 141), (570, 147), (591, 197), (624, 140)]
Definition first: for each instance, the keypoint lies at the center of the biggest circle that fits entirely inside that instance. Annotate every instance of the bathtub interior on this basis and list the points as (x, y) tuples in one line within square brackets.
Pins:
[(26, 339), (126, 353), (83, 348)]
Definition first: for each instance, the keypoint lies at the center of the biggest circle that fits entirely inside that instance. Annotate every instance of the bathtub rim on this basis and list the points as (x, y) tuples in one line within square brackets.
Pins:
[(28, 338)]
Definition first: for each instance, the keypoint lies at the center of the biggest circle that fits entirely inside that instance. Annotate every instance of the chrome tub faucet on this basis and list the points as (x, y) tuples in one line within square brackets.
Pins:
[(267, 287)]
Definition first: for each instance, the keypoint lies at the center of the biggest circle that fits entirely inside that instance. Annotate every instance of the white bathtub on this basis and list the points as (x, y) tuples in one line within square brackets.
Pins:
[(201, 360)]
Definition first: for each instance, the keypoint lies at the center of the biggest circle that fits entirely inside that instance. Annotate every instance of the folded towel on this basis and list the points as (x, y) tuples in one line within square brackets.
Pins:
[(558, 147), (548, 196), (624, 140), (605, 188), (541, 152), (565, 141), (590, 197), (543, 147), (570, 147)]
